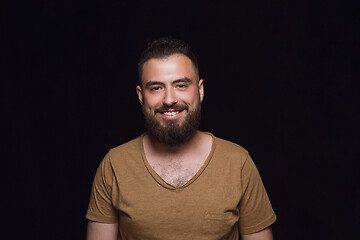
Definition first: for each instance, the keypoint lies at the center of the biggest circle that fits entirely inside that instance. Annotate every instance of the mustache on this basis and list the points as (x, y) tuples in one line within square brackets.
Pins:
[(165, 108)]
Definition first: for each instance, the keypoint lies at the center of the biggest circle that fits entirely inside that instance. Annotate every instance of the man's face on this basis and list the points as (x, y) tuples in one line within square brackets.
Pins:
[(171, 97)]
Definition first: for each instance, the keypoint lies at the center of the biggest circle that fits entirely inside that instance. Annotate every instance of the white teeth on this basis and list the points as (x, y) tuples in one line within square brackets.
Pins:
[(170, 113)]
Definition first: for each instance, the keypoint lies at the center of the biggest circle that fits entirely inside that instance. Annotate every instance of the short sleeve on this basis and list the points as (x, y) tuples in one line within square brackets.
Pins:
[(255, 209), (100, 207)]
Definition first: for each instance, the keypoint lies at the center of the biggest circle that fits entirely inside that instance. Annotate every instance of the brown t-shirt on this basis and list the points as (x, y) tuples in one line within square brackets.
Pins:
[(224, 198)]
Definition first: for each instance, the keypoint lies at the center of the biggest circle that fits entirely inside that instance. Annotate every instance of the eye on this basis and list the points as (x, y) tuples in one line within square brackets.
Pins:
[(155, 88), (181, 86)]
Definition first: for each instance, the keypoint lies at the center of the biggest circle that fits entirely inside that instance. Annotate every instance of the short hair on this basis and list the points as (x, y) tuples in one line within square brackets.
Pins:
[(165, 47)]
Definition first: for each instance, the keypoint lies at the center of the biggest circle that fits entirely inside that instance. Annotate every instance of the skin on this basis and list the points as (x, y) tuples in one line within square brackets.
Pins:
[(169, 81), (166, 82), (101, 231), (265, 234)]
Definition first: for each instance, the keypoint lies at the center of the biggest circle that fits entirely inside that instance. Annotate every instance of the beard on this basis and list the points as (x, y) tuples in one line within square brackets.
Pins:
[(173, 133)]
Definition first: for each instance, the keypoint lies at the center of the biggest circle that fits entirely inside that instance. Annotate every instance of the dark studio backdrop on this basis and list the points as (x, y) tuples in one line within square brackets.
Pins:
[(281, 79)]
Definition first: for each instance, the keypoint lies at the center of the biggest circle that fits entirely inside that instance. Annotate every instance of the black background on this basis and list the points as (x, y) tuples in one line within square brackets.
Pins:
[(281, 79)]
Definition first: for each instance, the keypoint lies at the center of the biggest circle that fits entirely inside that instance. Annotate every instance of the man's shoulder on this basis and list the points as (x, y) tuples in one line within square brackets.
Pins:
[(126, 154), (230, 148), (133, 145)]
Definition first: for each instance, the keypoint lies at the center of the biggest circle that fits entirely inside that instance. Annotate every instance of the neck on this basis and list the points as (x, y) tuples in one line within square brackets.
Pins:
[(161, 148)]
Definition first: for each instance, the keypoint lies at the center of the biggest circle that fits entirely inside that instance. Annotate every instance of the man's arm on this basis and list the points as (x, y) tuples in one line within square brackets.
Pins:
[(102, 231), (265, 234)]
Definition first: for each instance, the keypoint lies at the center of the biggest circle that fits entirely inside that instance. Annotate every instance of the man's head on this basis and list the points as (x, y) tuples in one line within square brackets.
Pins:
[(170, 92), (164, 47)]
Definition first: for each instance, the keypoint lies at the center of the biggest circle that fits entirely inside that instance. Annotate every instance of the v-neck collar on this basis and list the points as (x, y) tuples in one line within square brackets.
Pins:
[(161, 181)]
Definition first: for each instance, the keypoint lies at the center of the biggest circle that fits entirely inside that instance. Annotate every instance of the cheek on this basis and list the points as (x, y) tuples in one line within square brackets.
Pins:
[(151, 101), (191, 98)]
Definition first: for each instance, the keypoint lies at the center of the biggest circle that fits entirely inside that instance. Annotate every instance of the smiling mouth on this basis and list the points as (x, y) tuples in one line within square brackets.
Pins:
[(171, 113)]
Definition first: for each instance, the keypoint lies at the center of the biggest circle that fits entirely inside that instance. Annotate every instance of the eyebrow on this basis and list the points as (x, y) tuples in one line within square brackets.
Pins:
[(152, 83), (184, 79)]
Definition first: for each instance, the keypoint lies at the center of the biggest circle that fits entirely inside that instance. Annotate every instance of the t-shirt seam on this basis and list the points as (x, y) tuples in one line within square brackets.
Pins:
[(271, 219), (157, 178), (100, 218), (241, 175)]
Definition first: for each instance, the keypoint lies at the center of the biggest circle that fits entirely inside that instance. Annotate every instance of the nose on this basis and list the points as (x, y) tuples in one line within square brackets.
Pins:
[(170, 97)]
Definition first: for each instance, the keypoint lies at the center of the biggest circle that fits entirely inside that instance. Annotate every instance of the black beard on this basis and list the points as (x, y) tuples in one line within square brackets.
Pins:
[(173, 134)]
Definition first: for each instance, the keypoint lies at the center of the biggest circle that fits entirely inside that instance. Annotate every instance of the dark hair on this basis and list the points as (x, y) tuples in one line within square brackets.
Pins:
[(163, 48)]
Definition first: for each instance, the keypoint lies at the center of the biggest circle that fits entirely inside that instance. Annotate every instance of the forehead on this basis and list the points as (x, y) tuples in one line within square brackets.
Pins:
[(169, 68)]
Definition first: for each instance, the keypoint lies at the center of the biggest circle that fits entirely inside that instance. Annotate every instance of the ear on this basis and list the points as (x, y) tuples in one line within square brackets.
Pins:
[(139, 93), (201, 89)]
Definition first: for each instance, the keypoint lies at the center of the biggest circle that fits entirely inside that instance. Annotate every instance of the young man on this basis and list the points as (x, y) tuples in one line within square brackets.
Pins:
[(175, 182)]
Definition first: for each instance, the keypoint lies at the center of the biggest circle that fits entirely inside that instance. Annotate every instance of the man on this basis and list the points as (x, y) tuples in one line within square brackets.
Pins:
[(175, 182)]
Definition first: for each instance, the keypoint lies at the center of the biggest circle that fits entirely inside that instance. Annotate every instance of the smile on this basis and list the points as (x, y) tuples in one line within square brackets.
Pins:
[(171, 113)]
